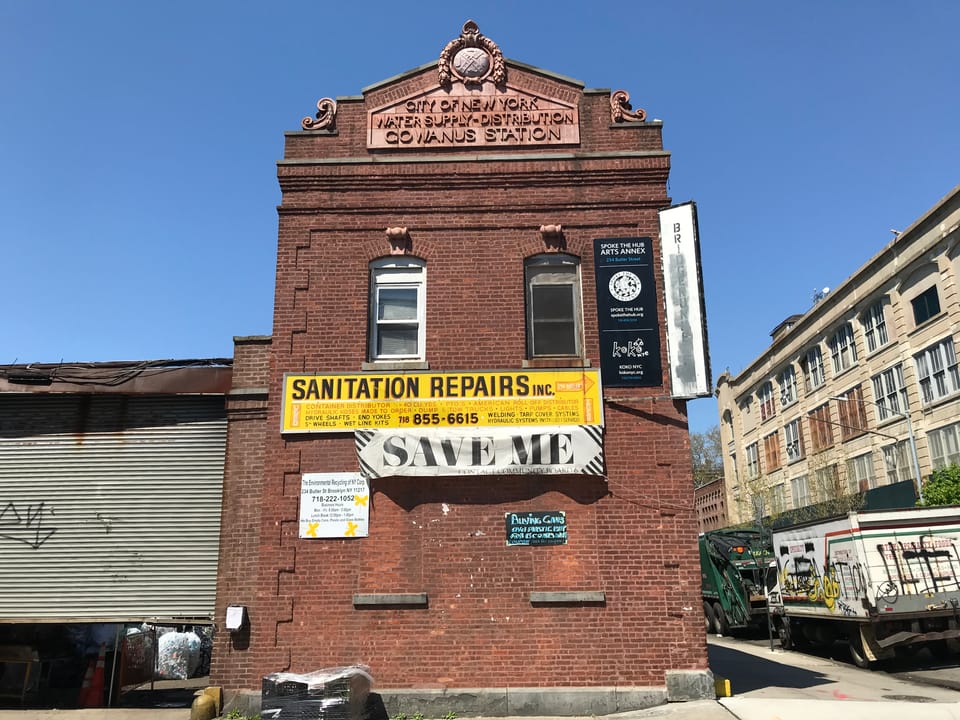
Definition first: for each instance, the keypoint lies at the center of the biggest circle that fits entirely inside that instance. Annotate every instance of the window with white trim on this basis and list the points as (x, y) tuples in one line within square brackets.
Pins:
[(843, 351), (889, 392), (788, 386), (944, 445), (753, 461), (812, 366), (397, 309), (765, 399), (898, 461), (554, 310), (799, 488), (793, 440), (860, 474), (827, 480), (937, 371), (776, 498), (874, 327)]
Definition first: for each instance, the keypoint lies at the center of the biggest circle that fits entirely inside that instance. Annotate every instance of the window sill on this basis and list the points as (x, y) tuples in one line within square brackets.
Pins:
[(382, 365), (558, 362), (918, 327)]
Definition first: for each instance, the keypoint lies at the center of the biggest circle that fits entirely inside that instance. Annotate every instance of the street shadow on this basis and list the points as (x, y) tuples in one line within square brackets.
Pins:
[(748, 672)]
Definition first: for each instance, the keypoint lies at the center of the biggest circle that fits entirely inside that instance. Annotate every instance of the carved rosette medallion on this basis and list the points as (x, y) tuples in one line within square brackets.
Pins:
[(622, 111), (471, 59)]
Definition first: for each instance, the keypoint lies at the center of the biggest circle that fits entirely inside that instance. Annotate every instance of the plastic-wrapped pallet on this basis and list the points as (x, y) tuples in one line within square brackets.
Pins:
[(178, 655), (338, 693)]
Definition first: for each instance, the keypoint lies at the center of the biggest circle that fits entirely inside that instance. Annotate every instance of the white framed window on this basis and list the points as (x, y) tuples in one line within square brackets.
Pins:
[(874, 327), (787, 379), (889, 392), (944, 445), (800, 489), (937, 371), (897, 459), (753, 461), (828, 483), (397, 309), (860, 474), (776, 498), (812, 366), (554, 309), (765, 399), (842, 349), (793, 440)]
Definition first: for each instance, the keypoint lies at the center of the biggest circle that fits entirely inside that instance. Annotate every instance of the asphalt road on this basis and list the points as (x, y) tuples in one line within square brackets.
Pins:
[(756, 671)]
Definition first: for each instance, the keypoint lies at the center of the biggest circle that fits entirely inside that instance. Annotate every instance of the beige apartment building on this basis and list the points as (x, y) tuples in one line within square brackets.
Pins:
[(862, 390)]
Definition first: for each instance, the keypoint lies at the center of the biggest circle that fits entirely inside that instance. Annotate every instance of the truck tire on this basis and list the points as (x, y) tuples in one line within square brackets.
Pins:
[(720, 618), (709, 618), (785, 633), (857, 654)]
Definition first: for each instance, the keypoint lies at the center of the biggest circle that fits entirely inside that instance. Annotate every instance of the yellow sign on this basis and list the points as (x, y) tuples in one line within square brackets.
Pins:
[(348, 402)]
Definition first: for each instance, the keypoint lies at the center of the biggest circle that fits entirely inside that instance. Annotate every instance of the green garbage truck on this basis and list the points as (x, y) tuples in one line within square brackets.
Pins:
[(732, 568)]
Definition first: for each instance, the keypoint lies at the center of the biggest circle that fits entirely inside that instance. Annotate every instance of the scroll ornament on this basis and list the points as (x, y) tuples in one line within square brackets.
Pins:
[(622, 111), (326, 116)]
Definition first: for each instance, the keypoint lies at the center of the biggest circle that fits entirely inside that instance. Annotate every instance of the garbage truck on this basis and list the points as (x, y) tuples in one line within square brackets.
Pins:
[(732, 568), (883, 582)]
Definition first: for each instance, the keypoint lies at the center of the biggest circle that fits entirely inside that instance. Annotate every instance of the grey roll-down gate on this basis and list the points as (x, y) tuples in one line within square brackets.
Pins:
[(109, 506)]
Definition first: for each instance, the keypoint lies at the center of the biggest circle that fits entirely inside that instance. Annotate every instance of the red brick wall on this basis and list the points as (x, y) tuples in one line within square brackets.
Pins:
[(231, 663), (473, 219)]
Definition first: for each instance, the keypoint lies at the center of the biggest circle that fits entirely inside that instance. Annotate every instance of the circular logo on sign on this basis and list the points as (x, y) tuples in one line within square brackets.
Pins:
[(625, 286), (472, 62)]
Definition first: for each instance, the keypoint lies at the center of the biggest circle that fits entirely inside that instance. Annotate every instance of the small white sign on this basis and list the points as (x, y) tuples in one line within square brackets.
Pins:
[(334, 505)]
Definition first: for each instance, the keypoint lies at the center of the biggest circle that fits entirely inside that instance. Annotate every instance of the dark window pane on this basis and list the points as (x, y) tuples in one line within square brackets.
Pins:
[(554, 328), (397, 340), (926, 305)]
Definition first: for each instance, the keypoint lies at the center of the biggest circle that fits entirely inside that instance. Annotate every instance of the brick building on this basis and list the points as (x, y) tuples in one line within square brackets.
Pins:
[(426, 473)]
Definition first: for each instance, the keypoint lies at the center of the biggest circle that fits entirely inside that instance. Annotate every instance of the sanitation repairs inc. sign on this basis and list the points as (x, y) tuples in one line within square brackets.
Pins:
[(419, 401)]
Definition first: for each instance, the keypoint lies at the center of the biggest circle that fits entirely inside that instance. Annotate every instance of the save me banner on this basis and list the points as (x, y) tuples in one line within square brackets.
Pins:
[(481, 451)]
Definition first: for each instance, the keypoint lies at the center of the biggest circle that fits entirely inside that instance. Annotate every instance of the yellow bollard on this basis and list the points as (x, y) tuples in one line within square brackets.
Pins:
[(722, 686), (204, 707)]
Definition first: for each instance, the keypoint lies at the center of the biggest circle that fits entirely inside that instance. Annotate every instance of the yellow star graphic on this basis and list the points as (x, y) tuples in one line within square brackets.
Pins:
[(312, 529), (360, 499), (351, 529)]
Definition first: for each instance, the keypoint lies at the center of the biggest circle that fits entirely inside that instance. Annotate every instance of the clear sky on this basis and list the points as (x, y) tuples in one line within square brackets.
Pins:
[(138, 144)]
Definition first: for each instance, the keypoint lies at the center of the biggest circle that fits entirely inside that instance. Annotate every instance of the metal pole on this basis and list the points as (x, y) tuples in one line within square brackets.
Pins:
[(916, 460)]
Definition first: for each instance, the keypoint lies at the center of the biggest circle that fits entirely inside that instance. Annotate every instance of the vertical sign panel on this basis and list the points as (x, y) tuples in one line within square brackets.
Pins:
[(627, 312), (334, 505), (683, 293)]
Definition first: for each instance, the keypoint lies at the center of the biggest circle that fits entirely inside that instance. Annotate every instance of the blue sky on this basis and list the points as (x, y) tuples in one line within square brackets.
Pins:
[(138, 144)]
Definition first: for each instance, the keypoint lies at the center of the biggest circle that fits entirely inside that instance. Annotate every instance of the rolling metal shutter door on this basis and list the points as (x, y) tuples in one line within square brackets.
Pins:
[(109, 506)]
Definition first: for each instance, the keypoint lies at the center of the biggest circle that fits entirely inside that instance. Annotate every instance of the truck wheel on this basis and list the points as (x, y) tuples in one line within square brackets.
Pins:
[(857, 654), (723, 625), (710, 620), (786, 635)]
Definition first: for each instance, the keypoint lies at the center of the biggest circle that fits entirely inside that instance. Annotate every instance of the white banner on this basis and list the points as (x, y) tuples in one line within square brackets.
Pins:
[(334, 505), (547, 450)]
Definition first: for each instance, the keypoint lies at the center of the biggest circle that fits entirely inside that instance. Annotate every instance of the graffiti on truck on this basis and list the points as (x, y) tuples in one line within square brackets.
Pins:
[(929, 564), (921, 566), (26, 524)]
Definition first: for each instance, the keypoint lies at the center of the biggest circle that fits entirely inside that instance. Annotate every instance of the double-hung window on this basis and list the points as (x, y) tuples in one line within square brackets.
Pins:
[(860, 474), (753, 462), (793, 440), (944, 445), (874, 327), (800, 489), (554, 313), (788, 386), (812, 365), (853, 416), (765, 399), (937, 371), (397, 309), (890, 393), (842, 349), (897, 458), (771, 451), (821, 428)]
